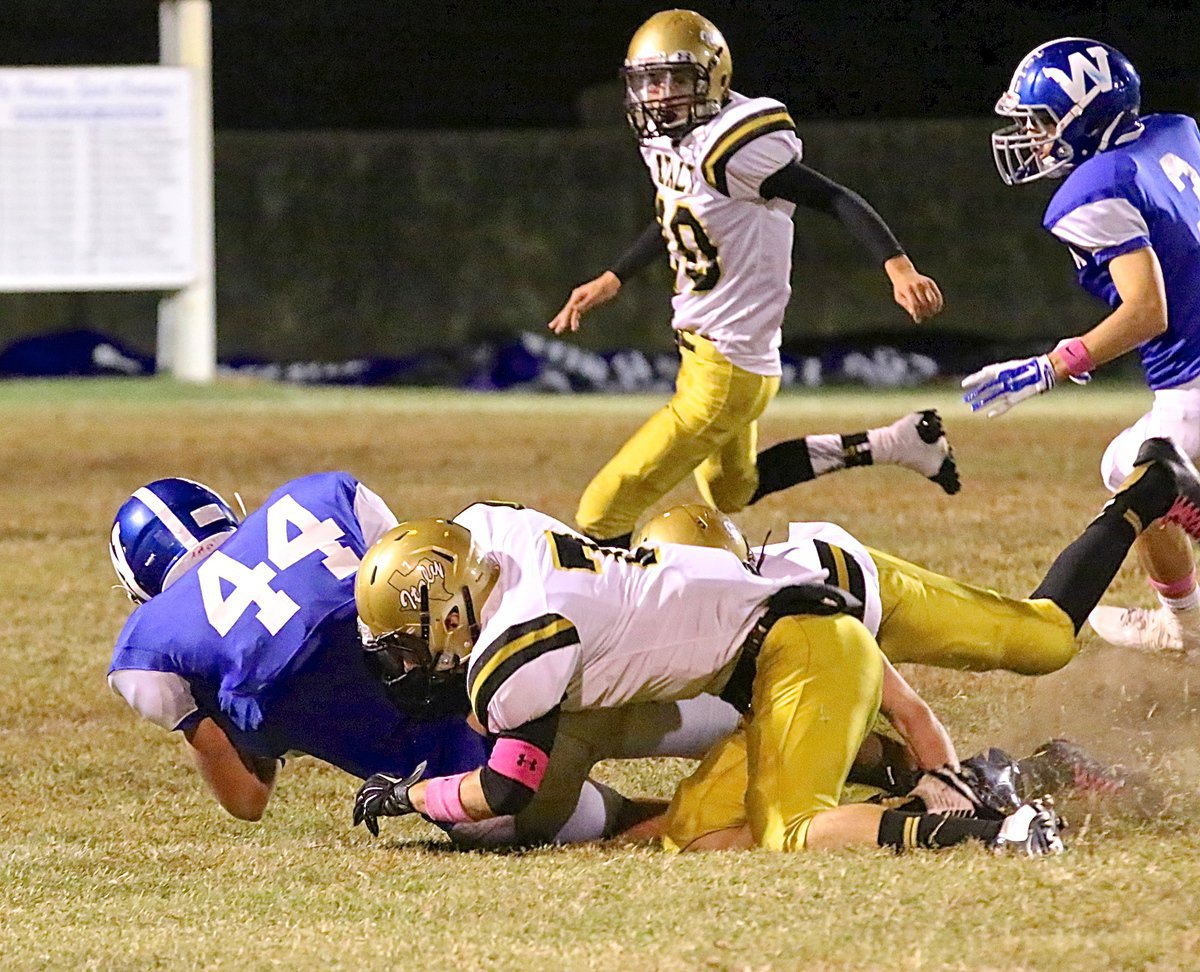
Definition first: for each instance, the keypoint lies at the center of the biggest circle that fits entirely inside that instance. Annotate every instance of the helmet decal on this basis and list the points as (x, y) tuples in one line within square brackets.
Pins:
[(1068, 100), (1083, 70)]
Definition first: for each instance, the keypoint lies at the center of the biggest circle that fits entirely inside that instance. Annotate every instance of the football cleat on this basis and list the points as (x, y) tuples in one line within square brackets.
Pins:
[(918, 442), (1060, 766), (993, 777), (1185, 511), (1148, 629), (1033, 830)]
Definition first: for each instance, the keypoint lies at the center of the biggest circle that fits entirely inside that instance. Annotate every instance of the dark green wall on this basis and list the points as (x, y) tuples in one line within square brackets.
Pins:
[(338, 244)]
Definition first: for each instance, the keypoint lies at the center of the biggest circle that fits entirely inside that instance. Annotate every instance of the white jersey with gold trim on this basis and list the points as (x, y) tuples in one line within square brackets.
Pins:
[(583, 627), (730, 248), (835, 555)]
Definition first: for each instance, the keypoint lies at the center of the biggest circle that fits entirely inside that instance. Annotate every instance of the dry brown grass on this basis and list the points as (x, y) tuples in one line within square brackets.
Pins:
[(113, 857)]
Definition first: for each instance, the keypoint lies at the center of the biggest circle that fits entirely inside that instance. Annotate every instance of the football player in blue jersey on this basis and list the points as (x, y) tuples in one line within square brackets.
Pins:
[(246, 641), (1128, 210)]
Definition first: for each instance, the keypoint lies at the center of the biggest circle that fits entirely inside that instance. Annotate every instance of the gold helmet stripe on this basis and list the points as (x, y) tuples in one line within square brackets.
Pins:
[(747, 130), (519, 644)]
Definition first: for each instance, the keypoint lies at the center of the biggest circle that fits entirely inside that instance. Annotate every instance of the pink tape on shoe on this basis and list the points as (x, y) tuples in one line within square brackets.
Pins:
[(520, 761), (1186, 515), (1175, 588), (443, 802), (1076, 357)]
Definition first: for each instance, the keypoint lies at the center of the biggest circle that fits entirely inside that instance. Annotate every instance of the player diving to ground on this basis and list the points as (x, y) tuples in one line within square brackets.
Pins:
[(246, 642), (921, 617), (728, 176), (543, 622), (1129, 212)]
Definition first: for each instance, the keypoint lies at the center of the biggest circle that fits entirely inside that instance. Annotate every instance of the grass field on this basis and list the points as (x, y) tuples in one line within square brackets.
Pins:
[(112, 856)]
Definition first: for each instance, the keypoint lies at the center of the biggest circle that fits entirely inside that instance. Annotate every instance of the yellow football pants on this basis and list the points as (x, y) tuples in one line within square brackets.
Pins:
[(816, 695), (709, 426), (930, 619)]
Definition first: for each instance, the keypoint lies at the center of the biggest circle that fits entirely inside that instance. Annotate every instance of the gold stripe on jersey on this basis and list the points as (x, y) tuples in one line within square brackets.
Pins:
[(517, 645), (747, 130), (843, 570)]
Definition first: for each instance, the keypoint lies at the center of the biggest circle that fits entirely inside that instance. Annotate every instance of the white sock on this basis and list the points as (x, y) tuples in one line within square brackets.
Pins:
[(1188, 602)]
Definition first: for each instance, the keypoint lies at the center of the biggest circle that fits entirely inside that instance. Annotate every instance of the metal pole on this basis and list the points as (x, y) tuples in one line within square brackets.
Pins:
[(187, 318)]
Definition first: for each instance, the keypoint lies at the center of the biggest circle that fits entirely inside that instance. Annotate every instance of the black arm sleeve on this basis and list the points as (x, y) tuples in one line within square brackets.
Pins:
[(806, 187), (649, 245), (503, 794)]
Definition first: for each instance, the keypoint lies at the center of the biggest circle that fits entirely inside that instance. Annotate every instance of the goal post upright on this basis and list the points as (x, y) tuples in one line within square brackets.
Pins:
[(187, 318)]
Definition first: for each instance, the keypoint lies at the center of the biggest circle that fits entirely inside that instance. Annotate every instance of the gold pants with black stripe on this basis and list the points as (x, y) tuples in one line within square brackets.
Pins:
[(816, 695), (930, 619), (709, 427)]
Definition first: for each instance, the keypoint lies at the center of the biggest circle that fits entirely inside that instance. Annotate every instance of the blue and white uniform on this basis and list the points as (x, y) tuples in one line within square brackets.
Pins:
[(262, 638), (1144, 192)]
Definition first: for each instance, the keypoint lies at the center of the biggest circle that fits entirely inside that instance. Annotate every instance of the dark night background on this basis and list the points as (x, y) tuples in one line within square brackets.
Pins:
[(391, 64)]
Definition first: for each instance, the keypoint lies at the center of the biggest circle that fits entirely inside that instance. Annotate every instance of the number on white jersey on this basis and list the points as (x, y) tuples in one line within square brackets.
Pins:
[(251, 585), (575, 553), (693, 249)]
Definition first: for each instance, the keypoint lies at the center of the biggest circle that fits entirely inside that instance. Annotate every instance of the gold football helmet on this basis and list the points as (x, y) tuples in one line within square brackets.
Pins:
[(419, 591), (697, 525), (676, 74)]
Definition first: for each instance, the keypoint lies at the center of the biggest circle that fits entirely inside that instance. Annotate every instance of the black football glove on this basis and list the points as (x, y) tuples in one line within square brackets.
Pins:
[(823, 599), (385, 796)]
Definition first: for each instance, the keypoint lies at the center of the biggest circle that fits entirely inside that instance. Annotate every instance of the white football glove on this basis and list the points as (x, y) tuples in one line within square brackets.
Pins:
[(999, 387)]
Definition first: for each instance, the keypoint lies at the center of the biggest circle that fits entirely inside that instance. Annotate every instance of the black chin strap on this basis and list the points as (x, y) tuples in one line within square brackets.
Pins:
[(472, 620)]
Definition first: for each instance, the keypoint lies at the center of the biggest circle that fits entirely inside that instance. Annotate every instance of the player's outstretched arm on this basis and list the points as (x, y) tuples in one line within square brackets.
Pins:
[(910, 715), (600, 290), (918, 294), (1141, 316), (242, 784), (596, 292)]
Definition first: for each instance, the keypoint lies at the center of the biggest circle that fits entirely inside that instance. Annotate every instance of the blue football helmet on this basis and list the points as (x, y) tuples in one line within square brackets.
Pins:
[(1068, 99), (162, 530)]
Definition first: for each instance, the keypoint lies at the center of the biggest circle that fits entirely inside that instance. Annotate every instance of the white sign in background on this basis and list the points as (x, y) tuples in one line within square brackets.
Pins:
[(95, 179)]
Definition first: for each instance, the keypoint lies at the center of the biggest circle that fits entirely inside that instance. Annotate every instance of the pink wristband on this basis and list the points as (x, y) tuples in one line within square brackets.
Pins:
[(1076, 357), (442, 800), (520, 761)]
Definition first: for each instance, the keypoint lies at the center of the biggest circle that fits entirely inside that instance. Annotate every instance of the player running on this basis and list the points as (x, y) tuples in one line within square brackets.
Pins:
[(728, 175), (1129, 211)]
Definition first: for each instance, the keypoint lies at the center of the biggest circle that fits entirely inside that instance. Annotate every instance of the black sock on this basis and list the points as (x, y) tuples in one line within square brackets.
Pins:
[(1081, 574), (904, 830), (781, 466)]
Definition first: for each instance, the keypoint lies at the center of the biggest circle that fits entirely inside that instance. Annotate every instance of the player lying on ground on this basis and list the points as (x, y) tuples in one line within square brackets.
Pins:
[(1129, 211), (916, 616), (542, 622), (728, 177), (245, 641)]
